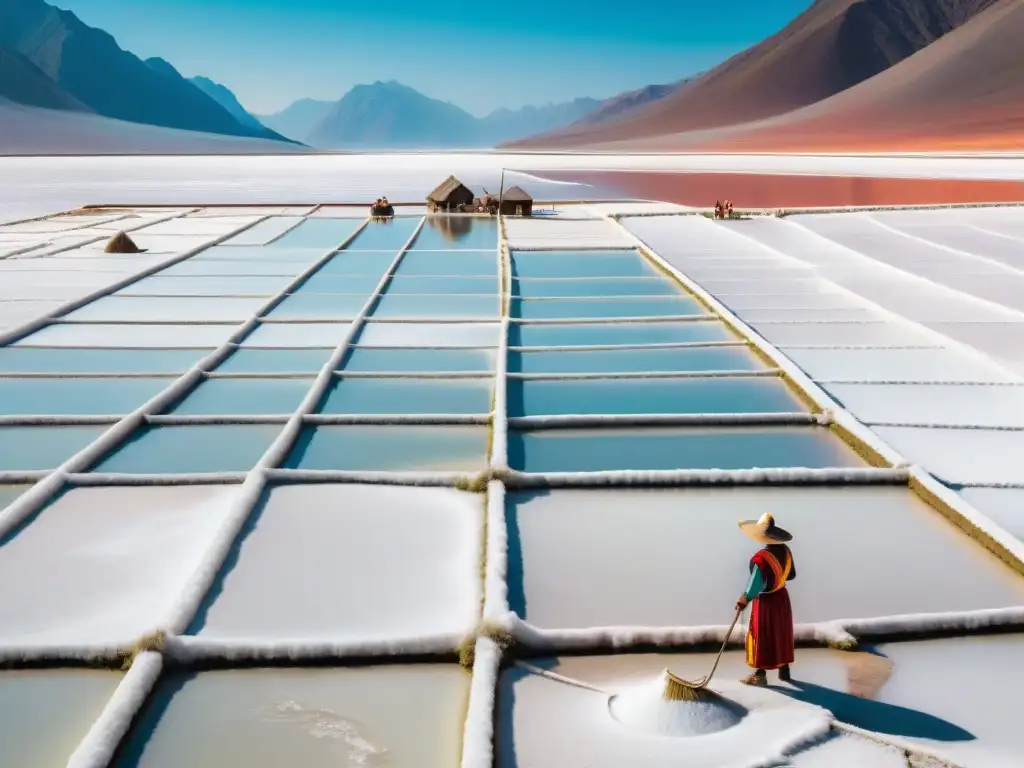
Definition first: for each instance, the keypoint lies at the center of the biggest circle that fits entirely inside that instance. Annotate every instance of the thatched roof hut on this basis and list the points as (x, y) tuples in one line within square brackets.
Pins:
[(121, 243), (516, 201), (449, 194)]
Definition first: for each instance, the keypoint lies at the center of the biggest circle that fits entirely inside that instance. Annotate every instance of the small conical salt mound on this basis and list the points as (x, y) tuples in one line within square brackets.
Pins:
[(121, 243), (660, 707)]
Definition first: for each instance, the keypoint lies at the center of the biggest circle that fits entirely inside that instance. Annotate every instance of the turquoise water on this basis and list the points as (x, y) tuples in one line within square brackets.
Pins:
[(369, 263), (467, 232), (654, 396), (264, 231), (297, 335), (275, 361), (9, 493), (543, 289), (27, 449), (391, 448), (409, 396), (635, 360), (85, 360), (465, 264), (320, 306), (617, 333), (599, 450), (199, 286), (230, 269), (393, 305), (449, 285), (317, 233), (388, 235), (244, 396), (555, 309), (329, 283), (581, 264), (78, 397), (193, 449), (255, 254), (362, 360), (429, 334)]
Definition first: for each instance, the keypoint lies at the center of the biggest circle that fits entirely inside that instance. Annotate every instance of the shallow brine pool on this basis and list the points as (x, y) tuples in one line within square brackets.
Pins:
[(352, 562), (391, 448), (602, 334), (409, 396), (670, 360), (577, 583), (46, 713), (191, 449), (597, 450), (27, 449), (541, 397), (407, 716)]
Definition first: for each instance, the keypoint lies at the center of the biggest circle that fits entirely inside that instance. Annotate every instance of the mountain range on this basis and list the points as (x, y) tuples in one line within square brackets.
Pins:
[(843, 74), (389, 115), (832, 49)]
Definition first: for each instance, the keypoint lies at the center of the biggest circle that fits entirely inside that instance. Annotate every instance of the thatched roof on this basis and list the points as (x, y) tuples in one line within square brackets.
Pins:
[(517, 194), (445, 189), (121, 243)]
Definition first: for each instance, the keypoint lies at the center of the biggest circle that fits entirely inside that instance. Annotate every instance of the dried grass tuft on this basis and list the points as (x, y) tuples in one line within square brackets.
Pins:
[(155, 641)]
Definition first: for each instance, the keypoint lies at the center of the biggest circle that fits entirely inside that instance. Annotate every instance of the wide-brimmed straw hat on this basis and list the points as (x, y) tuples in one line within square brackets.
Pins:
[(765, 530)]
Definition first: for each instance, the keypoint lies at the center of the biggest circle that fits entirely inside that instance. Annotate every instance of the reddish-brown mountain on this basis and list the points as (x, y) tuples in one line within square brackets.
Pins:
[(829, 48)]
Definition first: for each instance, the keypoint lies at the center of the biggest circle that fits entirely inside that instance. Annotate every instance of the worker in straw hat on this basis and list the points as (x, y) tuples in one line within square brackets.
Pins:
[(770, 632)]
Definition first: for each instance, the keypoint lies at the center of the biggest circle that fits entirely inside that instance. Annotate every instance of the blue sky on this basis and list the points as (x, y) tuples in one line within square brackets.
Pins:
[(273, 52)]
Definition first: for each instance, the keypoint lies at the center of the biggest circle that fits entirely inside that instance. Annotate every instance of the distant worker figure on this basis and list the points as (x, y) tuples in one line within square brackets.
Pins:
[(728, 208), (719, 209), (770, 634)]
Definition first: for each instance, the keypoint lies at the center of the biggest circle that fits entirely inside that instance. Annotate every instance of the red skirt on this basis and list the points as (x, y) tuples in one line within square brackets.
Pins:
[(770, 636)]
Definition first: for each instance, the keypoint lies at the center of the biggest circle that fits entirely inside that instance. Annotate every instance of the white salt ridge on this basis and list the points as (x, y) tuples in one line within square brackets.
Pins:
[(644, 708), (101, 742), (478, 731)]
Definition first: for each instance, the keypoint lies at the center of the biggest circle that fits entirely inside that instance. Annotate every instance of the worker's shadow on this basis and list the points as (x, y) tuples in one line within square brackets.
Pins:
[(875, 715)]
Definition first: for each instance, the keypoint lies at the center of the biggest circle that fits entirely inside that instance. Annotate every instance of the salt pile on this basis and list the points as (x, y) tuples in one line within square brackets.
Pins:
[(645, 708)]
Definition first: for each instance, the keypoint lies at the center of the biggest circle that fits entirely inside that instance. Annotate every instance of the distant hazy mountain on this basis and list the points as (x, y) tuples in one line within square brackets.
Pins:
[(298, 120), (616, 106), (506, 124), (23, 82), (393, 116), (223, 96), (88, 65)]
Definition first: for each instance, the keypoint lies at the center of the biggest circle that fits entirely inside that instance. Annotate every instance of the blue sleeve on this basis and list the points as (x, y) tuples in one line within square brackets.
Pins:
[(756, 584)]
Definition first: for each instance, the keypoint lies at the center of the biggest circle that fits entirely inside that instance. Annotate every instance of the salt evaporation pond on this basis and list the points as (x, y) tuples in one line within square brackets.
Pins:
[(244, 396), (672, 360), (299, 360), (578, 584), (541, 722), (384, 235), (352, 562), (364, 360), (389, 448), (315, 306), (93, 539), (580, 264), (401, 716), (543, 397), (466, 232), (447, 264), (598, 333), (48, 712), (80, 396), (29, 449), (598, 450), (80, 360), (409, 396), (196, 448)]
